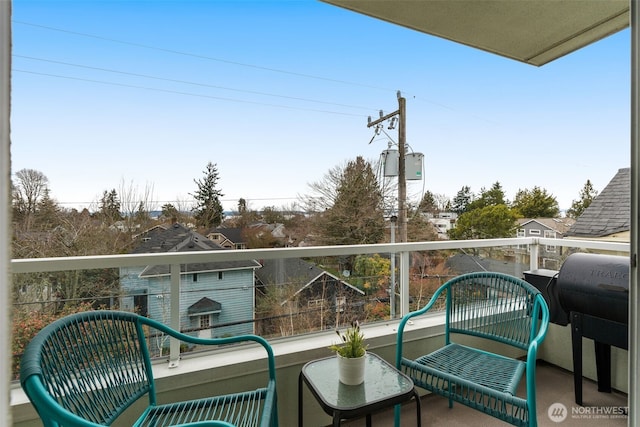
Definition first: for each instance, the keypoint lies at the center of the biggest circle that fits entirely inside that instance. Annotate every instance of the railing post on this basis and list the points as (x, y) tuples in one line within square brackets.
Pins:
[(534, 252), (404, 283), (5, 208), (174, 344)]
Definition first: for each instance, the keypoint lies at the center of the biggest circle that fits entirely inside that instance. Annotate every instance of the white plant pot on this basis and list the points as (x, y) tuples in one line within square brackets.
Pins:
[(351, 370)]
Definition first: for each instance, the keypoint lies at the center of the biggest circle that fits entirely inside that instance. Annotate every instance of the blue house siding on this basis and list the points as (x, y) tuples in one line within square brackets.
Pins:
[(233, 289)]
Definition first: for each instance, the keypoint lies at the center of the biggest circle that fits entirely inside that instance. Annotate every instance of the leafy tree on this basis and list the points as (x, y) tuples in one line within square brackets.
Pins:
[(536, 203), (489, 222), (356, 216), (208, 210), (259, 237), (462, 200), (272, 215), (587, 194), (373, 272), (28, 190)]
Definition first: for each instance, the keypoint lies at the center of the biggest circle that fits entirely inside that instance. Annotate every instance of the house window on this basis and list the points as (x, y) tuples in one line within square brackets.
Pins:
[(315, 303), (195, 277), (205, 321), (534, 232), (341, 303), (522, 233), (141, 304), (219, 275), (550, 234)]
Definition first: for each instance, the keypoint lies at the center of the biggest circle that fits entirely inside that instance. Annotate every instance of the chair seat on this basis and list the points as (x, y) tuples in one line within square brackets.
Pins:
[(461, 364), (238, 409)]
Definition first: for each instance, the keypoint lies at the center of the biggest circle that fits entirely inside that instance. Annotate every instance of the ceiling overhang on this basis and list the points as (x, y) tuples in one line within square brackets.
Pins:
[(531, 31)]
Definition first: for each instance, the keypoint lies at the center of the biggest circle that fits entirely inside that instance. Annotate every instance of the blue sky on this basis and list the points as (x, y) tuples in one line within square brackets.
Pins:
[(142, 94)]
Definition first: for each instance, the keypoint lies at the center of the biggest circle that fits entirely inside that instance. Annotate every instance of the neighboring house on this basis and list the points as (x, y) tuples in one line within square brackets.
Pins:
[(550, 228), (302, 287), (229, 238), (443, 222), (608, 217), (216, 298)]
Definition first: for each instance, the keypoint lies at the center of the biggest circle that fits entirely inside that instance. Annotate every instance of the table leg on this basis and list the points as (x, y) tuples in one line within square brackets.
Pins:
[(300, 400), (416, 396), (368, 420), (336, 419)]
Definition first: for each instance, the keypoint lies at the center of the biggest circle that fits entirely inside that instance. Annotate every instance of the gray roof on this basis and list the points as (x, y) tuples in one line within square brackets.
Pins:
[(559, 225), (233, 234), (609, 212), (178, 238), (293, 270)]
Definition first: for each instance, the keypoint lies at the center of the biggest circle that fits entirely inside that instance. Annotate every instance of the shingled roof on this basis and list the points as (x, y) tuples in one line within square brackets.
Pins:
[(609, 212), (178, 238), (294, 270)]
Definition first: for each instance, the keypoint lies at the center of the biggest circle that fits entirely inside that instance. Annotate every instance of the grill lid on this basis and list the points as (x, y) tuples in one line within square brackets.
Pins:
[(595, 284)]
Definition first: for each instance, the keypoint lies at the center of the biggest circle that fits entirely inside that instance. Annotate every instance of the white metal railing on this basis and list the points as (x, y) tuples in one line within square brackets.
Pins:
[(403, 251)]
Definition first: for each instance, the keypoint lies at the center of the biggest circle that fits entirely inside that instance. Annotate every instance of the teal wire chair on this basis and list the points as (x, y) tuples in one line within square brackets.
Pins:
[(497, 307), (86, 369)]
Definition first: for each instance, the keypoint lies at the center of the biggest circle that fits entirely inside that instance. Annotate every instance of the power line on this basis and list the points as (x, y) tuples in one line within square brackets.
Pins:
[(147, 76), (176, 92), (199, 56)]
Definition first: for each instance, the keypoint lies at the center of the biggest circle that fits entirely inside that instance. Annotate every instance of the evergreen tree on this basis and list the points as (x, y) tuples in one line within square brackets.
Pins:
[(208, 210), (47, 213), (242, 206), (492, 197), (428, 204), (489, 222), (356, 216), (587, 194), (169, 211), (462, 200), (109, 207), (536, 203)]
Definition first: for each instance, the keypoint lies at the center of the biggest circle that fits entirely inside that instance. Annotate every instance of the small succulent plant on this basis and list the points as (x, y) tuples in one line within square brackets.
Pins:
[(352, 342)]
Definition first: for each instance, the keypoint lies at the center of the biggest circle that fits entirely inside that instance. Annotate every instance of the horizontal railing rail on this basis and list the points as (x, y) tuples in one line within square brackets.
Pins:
[(402, 250)]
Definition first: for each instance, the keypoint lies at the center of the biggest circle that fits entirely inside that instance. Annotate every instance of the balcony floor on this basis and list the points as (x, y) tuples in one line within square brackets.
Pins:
[(554, 385)]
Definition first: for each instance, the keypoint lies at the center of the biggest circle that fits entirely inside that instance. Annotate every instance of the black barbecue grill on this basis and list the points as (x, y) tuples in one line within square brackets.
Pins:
[(590, 291)]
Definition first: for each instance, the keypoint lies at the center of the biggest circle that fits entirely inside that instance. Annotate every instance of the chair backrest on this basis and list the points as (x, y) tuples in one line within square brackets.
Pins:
[(93, 364), (495, 306)]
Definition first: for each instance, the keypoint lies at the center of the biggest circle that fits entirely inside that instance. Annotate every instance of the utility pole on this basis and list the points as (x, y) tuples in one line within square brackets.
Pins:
[(401, 112)]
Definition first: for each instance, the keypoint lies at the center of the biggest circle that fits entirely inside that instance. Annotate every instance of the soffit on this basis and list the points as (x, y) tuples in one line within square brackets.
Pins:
[(531, 31)]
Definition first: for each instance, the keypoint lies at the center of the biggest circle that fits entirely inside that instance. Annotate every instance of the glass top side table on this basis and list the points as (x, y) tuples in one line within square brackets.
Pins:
[(384, 386)]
